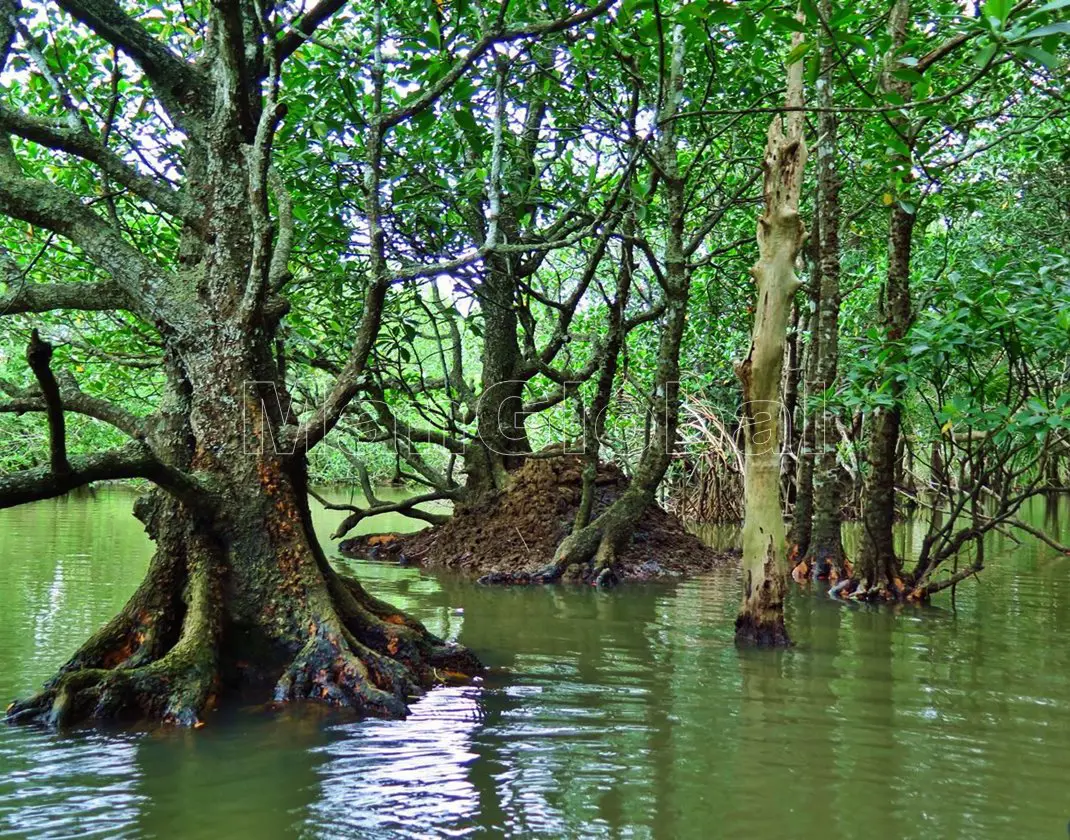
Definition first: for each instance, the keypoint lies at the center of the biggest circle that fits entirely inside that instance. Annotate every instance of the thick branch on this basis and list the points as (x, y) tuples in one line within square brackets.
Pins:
[(46, 297), (173, 79), (77, 401), (39, 358), (131, 461), (77, 141), (408, 508), (302, 30), (53, 208)]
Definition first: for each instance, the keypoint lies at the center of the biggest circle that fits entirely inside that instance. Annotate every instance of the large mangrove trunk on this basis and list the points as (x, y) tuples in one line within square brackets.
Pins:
[(781, 235), (876, 565), (239, 596), (824, 555)]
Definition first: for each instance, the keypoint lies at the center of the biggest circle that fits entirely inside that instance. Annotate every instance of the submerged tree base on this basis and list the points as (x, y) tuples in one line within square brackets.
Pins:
[(196, 631), (752, 631), (516, 536)]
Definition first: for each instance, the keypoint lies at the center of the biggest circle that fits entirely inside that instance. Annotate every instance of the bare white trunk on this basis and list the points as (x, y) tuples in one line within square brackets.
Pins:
[(781, 234)]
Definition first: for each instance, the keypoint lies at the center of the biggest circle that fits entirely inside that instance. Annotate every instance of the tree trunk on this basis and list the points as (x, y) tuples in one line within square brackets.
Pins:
[(781, 234), (501, 441), (239, 596), (802, 519), (824, 555), (792, 381), (876, 566)]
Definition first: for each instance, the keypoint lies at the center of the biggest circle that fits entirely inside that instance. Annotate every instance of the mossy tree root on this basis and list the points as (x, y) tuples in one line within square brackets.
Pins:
[(161, 659), (119, 672)]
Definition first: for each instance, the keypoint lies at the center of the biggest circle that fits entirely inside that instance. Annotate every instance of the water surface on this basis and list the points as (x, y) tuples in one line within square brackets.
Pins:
[(622, 714)]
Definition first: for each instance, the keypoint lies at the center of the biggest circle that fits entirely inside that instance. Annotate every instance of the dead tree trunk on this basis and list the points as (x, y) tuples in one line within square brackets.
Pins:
[(781, 234)]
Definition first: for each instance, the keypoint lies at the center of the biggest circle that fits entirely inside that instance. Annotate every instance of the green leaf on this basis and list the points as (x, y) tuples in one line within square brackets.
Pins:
[(905, 74), (466, 121), (1038, 55), (797, 52), (748, 30), (998, 9), (984, 56), (786, 22), (1060, 28)]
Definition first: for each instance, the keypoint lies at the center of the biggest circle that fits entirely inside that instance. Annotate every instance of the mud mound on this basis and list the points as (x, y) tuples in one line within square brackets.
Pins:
[(519, 529)]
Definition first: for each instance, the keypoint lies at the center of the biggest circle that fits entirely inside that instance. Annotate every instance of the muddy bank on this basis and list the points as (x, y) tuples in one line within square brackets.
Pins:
[(519, 529)]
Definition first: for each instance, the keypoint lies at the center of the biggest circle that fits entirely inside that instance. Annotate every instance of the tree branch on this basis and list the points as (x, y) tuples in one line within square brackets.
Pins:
[(39, 358), (77, 401), (174, 80), (55, 209), (46, 297), (131, 461), (76, 140), (302, 30)]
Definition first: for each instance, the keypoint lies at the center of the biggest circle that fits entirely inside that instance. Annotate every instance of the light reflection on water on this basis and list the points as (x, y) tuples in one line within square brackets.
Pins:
[(628, 714)]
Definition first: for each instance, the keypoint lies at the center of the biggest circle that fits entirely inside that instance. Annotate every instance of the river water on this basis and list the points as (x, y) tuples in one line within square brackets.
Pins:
[(621, 714)]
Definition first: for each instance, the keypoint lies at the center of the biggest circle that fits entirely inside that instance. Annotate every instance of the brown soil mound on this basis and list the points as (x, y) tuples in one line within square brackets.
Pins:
[(518, 530)]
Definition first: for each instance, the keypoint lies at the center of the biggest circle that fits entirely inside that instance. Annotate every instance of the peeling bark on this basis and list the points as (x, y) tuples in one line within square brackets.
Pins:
[(781, 235)]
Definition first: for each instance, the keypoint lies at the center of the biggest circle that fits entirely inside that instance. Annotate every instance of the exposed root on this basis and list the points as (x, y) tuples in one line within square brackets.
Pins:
[(172, 690), (855, 589), (329, 670), (586, 556), (157, 659), (179, 643)]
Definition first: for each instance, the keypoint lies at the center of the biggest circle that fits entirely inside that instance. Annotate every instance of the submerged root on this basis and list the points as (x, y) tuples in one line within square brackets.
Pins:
[(855, 589), (755, 631)]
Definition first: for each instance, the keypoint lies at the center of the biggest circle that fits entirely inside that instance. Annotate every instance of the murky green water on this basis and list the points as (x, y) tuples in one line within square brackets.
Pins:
[(627, 714)]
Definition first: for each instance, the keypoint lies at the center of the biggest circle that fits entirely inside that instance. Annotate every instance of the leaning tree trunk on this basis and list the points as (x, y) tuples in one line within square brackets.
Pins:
[(781, 234), (824, 556), (876, 566)]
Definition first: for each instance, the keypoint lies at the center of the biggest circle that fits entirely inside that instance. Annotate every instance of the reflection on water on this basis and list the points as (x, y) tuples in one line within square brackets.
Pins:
[(627, 714)]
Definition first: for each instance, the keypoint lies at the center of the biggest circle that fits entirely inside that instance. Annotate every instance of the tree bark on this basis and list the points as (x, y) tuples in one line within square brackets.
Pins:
[(241, 599), (876, 566), (824, 555), (781, 235), (802, 519)]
